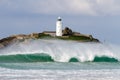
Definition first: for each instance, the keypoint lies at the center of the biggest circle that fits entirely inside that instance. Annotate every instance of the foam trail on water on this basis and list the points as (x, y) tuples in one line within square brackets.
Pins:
[(62, 51)]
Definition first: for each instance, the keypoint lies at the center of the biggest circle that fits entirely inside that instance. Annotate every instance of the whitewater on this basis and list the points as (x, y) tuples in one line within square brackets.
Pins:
[(51, 59)]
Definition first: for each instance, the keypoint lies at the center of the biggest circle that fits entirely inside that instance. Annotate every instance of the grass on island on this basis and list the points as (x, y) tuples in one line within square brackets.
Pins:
[(75, 38), (72, 37)]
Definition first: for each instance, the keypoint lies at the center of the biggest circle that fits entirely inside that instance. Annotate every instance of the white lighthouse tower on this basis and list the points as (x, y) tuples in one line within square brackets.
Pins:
[(59, 27)]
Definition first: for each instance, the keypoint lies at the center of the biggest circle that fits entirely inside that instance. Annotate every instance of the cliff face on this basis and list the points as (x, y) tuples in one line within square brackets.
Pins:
[(22, 37), (14, 38), (6, 41)]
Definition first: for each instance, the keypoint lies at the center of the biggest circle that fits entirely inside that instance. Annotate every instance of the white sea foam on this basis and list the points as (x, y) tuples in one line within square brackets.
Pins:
[(6, 74), (62, 51)]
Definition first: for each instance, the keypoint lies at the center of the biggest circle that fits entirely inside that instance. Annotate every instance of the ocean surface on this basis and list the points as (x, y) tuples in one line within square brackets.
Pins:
[(59, 60)]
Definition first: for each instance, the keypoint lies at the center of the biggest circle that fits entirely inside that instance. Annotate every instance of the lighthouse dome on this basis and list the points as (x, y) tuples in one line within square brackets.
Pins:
[(59, 19)]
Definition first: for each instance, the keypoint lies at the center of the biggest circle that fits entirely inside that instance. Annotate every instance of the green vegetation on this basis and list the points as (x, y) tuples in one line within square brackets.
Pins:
[(72, 37), (75, 38), (42, 35)]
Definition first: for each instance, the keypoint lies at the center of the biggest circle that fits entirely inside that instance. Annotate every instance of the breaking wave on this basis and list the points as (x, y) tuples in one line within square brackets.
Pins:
[(59, 51), (22, 58)]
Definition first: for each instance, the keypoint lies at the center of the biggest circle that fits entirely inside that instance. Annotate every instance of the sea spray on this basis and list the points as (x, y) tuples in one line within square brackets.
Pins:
[(63, 51)]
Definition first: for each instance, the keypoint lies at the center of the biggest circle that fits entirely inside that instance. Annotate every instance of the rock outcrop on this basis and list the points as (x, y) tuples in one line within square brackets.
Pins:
[(67, 32), (6, 41), (15, 38)]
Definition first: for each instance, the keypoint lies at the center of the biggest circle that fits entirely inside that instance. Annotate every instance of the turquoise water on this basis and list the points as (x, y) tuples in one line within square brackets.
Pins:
[(59, 60)]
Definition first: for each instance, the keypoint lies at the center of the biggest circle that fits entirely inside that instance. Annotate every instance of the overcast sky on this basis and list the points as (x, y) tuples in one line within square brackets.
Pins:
[(101, 18)]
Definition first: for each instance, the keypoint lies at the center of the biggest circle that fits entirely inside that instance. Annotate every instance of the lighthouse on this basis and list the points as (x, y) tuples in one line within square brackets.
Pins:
[(59, 27)]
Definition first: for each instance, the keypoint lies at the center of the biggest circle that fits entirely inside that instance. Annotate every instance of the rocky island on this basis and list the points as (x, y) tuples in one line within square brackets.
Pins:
[(62, 34), (67, 35)]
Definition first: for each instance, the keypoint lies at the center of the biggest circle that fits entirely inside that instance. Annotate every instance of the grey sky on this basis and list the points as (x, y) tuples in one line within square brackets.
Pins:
[(101, 18)]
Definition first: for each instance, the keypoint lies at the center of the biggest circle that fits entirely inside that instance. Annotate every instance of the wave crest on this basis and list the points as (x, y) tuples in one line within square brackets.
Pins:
[(23, 58)]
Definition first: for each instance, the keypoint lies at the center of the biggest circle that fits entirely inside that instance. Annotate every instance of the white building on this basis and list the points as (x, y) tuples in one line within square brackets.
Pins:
[(59, 27)]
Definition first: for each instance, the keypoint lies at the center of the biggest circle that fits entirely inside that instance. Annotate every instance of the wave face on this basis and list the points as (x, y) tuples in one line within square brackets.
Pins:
[(26, 58), (59, 51)]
